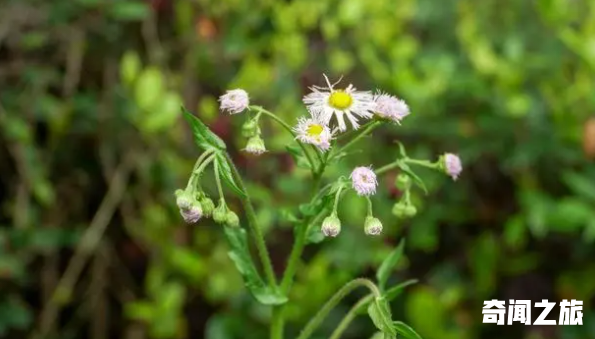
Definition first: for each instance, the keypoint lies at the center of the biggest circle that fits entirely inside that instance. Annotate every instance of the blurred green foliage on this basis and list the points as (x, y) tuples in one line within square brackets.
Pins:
[(93, 146)]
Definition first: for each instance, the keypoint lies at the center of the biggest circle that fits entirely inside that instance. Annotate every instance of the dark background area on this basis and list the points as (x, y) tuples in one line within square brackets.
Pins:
[(93, 145)]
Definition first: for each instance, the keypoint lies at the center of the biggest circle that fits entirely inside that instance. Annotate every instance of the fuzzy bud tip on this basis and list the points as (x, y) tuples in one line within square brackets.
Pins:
[(331, 226), (372, 226), (255, 145)]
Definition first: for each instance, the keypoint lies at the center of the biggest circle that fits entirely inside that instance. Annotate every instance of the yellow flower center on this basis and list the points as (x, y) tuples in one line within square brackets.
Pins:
[(340, 100), (315, 130)]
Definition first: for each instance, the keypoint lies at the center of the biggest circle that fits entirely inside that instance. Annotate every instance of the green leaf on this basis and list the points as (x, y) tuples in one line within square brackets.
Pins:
[(396, 290), (402, 152), (225, 172), (240, 255), (379, 312), (203, 136), (298, 156), (389, 295), (405, 330), (416, 179), (388, 264), (314, 235)]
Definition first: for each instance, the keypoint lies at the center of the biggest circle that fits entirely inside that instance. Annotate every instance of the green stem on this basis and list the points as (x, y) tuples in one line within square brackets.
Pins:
[(290, 130), (362, 134), (277, 323), (352, 132), (352, 314), (195, 170), (387, 168), (253, 224), (218, 182), (395, 164), (333, 301), (424, 163), (296, 251), (369, 206), (294, 257), (337, 198)]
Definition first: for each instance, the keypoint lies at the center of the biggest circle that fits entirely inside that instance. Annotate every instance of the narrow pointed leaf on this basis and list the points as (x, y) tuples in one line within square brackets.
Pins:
[(389, 295), (226, 175), (379, 312), (388, 264), (240, 255), (405, 330), (203, 136), (416, 179), (402, 152)]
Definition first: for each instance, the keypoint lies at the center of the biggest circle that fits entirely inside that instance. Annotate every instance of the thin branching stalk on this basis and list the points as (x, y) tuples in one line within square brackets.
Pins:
[(352, 314), (333, 301), (253, 225)]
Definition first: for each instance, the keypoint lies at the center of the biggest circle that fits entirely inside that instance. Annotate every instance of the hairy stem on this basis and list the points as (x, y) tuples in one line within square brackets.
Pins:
[(296, 251), (333, 301), (362, 134), (253, 224), (346, 321), (277, 323), (218, 182), (387, 168), (199, 166), (424, 163)]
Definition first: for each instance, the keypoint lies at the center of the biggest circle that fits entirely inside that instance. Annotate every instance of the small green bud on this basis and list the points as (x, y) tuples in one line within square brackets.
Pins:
[(331, 226), (372, 226), (250, 128), (399, 209), (207, 206), (255, 145), (410, 211), (403, 181), (231, 219), (220, 213)]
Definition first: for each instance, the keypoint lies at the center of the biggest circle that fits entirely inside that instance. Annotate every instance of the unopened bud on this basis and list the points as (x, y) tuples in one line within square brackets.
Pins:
[(331, 226), (372, 226), (183, 199), (190, 208), (255, 145), (399, 209), (410, 211), (220, 213), (231, 219), (403, 181), (451, 164), (250, 128), (207, 206)]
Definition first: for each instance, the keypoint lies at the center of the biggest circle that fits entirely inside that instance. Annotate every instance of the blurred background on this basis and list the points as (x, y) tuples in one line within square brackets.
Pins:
[(93, 146)]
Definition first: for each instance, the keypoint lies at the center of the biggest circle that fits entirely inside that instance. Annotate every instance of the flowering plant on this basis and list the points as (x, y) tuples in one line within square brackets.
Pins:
[(322, 139)]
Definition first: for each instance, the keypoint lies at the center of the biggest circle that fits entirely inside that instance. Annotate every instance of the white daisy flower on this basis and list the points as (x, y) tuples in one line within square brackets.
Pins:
[(311, 131), (390, 107), (323, 103), (364, 181), (234, 101)]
